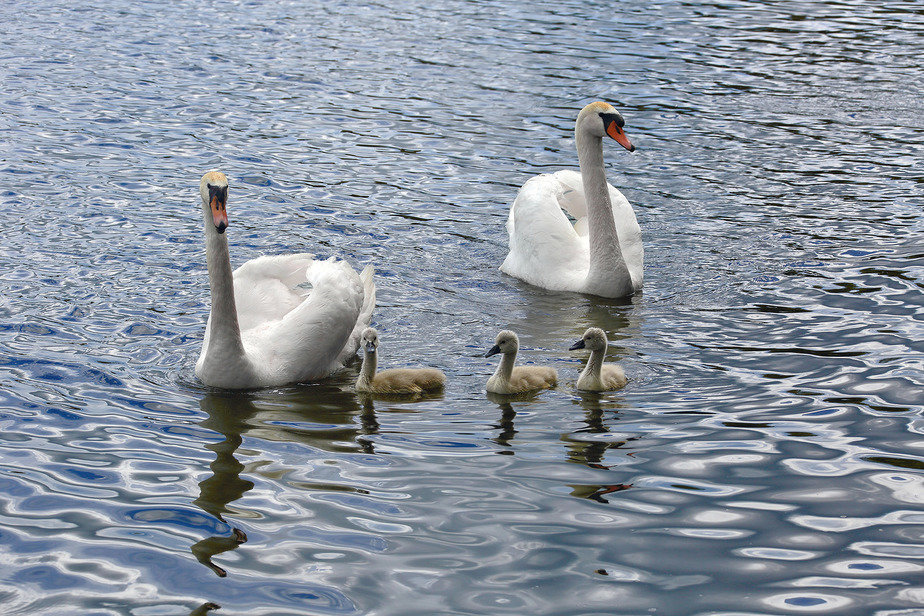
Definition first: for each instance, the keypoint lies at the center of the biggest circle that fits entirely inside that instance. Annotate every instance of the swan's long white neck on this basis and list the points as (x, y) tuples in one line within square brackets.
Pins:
[(594, 364), (224, 331), (370, 365), (608, 274), (505, 367)]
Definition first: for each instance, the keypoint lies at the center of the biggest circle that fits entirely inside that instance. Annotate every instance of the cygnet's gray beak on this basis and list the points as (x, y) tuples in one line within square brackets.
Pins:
[(494, 351), (577, 345), (370, 346)]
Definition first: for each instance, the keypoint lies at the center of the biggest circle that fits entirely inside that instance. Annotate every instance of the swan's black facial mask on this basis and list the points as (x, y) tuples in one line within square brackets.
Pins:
[(218, 192), (218, 197), (613, 123), (612, 117)]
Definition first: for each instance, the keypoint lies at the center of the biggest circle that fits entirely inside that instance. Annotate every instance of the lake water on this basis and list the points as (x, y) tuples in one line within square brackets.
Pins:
[(765, 458)]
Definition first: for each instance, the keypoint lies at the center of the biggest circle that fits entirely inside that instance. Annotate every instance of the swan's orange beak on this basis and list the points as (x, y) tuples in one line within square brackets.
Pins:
[(613, 130), (219, 214)]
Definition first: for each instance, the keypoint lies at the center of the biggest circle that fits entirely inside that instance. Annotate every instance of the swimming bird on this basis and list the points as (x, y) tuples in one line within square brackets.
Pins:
[(601, 253), (394, 380), (511, 379), (275, 320), (598, 376)]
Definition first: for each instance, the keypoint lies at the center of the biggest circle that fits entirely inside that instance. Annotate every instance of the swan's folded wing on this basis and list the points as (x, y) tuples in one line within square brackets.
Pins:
[(571, 198), (545, 249), (365, 316), (568, 190), (306, 343), (570, 193), (269, 287), (630, 235)]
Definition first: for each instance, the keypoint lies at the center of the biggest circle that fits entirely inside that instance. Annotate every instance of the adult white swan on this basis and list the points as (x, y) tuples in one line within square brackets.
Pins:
[(601, 253), (267, 327)]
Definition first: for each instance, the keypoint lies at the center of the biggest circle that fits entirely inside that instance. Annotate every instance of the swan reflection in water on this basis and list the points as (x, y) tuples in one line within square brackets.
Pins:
[(321, 416), (507, 430), (228, 414), (368, 417)]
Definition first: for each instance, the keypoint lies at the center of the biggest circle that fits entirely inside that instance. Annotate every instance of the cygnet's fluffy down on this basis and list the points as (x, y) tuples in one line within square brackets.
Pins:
[(598, 376), (512, 379), (394, 381)]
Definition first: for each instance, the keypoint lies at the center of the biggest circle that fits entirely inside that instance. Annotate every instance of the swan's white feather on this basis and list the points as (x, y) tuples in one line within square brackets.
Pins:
[(365, 316), (267, 288), (548, 250), (292, 332), (307, 342)]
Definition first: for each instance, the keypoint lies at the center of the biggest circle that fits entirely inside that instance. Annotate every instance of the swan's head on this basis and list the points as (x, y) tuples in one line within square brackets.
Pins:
[(506, 342), (214, 191), (599, 119), (594, 339), (370, 340)]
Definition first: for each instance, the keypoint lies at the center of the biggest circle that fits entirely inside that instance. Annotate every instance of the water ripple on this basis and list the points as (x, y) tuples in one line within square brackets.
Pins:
[(768, 437)]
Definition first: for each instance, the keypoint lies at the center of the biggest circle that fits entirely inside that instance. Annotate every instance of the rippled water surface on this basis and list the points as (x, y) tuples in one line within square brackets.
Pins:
[(765, 457)]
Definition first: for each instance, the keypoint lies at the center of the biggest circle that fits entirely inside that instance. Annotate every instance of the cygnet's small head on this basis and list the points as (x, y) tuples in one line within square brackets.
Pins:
[(506, 342), (599, 119), (214, 191), (370, 340), (594, 339)]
